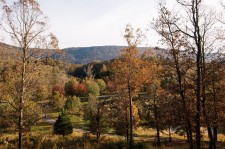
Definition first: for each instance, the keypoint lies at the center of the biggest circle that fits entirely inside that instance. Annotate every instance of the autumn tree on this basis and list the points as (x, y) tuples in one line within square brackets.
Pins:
[(154, 91), (80, 89), (75, 88), (57, 88), (178, 62), (57, 101), (214, 99), (92, 87), (69, 87), (120, 116), (131, 70), (96, 112), (73, 105), (197, 31), (101, 84), (25, 23)]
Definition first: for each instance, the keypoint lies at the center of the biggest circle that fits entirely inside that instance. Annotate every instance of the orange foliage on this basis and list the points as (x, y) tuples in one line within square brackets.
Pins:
[(58, 88)]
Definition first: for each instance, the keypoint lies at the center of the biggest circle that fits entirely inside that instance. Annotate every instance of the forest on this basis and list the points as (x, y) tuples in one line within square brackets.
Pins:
[(171, 96)]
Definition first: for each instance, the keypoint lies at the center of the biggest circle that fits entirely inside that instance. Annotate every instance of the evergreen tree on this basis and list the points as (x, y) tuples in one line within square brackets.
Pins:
[(63, 125)]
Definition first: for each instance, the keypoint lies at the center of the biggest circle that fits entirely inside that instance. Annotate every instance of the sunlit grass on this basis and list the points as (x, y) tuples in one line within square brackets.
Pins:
[(41, 136), (37, 139), (54, 114)]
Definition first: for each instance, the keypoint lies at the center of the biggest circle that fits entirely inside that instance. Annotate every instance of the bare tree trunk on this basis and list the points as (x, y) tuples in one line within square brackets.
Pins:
[(215, 115), (20, 123), (191, 137), (20, 129), (131, 116), (206, 118), (187, 133), (98, 125), (158, 134), (127, 127), (214, 136), (210, 135), (156, 119), (198, 101), (170, 139), (198, 42)]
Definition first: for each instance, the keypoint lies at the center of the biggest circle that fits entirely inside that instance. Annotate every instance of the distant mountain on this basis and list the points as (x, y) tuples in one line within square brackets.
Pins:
[(84, 55), (77, 55)]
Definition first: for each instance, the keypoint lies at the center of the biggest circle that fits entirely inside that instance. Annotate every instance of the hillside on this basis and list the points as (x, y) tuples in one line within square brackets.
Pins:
[(8, 52), (76, 55), (83, 55)]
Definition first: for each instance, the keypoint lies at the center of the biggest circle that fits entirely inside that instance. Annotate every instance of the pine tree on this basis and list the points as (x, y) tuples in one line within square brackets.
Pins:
[(63, 125)]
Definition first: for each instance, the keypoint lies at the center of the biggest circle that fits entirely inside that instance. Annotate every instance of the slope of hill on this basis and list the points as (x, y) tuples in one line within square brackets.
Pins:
[(77, 55), (85, 55), (8, 52)]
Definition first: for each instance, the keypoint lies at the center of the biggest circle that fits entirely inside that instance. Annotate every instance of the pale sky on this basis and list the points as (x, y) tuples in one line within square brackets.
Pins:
[(96, 22), (81, 23)]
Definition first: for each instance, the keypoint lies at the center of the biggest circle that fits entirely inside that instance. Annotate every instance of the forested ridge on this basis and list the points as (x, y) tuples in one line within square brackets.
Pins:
[(75, 55)]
